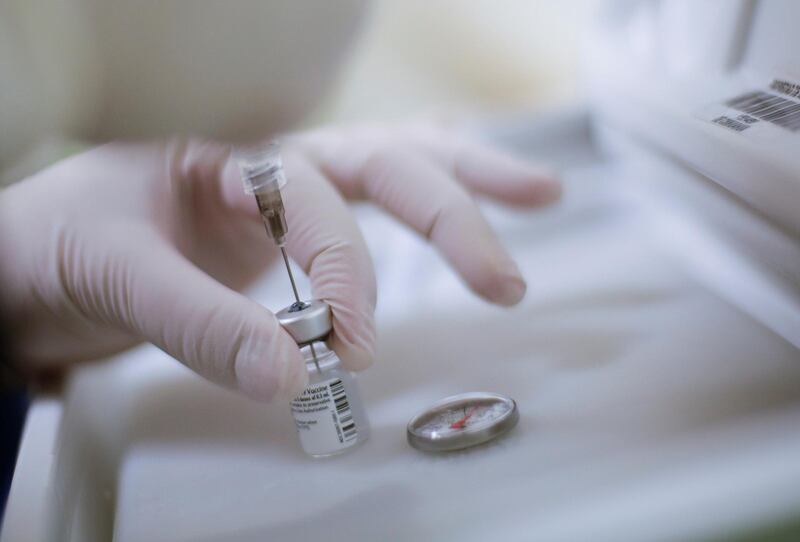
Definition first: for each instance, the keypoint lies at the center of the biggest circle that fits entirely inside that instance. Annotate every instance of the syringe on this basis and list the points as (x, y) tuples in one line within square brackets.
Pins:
[(261, 168)]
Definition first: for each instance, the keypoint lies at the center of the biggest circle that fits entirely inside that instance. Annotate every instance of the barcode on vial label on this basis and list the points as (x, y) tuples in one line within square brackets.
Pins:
[(763, 106), (343, 412)]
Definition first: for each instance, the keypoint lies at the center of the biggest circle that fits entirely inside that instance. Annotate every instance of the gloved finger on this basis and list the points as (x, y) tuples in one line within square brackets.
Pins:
[(424, 196), (213, 208), (487, 170), (480, 167), (326, 242), (212, 329)]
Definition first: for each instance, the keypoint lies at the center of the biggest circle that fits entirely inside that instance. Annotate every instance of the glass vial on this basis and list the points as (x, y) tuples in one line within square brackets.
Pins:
[(329, 415)]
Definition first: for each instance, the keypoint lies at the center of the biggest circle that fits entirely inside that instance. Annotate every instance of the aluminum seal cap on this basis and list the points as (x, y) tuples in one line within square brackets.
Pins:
[(306, 321)]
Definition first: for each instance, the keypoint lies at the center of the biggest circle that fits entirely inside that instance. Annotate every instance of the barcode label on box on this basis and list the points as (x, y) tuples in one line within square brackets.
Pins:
[(772, 112), (728, 122), (768, 107)]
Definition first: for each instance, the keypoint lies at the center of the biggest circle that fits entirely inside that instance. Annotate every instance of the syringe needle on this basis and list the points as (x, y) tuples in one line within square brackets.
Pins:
[(297, 300), (299, 303), (314, 355), (291, 277)]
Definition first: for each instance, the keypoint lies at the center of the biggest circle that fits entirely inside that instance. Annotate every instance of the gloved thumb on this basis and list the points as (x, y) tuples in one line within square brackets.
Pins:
[(153, 291)]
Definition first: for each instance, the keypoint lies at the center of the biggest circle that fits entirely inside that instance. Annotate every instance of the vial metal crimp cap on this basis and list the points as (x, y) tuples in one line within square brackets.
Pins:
[(306, 321)]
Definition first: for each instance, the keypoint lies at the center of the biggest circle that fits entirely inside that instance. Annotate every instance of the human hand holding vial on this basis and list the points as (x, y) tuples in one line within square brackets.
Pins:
[(329, 415)]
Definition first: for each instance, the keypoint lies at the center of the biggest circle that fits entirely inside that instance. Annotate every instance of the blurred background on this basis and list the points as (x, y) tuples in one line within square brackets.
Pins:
[(446, 56), (407, 59)]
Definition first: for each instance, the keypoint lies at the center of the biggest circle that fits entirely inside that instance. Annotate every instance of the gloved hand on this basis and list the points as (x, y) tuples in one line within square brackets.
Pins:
[(132, 242)]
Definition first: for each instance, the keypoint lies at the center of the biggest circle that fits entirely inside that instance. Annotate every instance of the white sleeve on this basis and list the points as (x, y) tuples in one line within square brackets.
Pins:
[(99, 69)]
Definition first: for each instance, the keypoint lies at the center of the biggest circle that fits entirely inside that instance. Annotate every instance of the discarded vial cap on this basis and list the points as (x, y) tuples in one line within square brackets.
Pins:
[(306, 321)]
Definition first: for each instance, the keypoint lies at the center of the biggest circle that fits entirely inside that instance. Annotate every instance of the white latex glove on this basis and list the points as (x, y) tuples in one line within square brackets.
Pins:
[(132, 242)]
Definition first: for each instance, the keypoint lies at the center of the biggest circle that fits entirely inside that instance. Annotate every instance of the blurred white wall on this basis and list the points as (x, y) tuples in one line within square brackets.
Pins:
[(465, 56), (411, 57)]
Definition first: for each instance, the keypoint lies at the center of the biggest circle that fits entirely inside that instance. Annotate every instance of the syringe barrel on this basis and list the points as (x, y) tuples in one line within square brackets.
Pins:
[(270, 204), (262, 174)]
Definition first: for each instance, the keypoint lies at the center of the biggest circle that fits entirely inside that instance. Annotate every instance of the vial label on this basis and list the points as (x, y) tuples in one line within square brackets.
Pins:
[(323, 417)]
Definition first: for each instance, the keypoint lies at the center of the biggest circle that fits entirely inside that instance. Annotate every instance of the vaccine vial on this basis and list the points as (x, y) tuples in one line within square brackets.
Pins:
[(329, 415)]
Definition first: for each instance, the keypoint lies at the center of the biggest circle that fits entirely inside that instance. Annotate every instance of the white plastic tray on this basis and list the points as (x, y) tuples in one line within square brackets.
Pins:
[(650, 409)]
